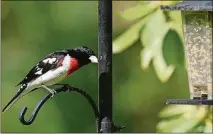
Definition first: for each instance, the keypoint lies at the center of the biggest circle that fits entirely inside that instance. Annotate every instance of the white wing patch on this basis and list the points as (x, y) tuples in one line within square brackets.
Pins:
[(39, 72), (46, 60), (49, 60), (37, 68)]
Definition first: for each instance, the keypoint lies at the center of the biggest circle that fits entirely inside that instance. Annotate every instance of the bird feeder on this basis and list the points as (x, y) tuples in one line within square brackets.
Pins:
[(197, 31)]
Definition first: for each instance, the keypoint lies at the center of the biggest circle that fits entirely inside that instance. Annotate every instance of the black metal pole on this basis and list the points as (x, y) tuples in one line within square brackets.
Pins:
[(105, 66)]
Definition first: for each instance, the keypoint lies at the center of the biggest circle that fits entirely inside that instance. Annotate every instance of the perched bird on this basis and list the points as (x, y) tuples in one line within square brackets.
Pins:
[(52, 69)]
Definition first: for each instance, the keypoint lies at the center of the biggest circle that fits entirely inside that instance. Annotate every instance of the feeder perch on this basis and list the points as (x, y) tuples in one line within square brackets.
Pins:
[(197, 31)]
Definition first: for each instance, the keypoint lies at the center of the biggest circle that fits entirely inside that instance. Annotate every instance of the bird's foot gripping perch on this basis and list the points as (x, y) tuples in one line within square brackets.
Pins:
[(52, 91)]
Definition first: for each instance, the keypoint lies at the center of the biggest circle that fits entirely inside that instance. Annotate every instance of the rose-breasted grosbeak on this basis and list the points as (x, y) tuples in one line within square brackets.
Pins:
[(52, 69)]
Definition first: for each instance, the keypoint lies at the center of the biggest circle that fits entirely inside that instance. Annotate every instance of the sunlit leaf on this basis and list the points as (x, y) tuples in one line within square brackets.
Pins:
[(197, 129), (146, 57), (169, 2), (201, 112), (193, 116), (143, 2), (175, 16), (158, 3), (172, 110), (155, 30), (186, 126), (163, 71), (180, 124), (128, 38), (208, 126), (176, 23), (137, 11), (152, 38), (168, 126)]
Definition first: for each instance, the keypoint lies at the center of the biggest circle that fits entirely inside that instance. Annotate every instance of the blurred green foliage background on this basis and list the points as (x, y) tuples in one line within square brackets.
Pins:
[(31, 30), (149, 44)]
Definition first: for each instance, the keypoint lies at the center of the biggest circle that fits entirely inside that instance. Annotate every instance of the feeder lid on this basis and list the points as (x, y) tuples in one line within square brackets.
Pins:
[(190, 6)]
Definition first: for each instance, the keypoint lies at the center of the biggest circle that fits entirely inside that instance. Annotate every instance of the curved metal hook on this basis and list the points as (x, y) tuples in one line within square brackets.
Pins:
[(34, 113), (41, 103)]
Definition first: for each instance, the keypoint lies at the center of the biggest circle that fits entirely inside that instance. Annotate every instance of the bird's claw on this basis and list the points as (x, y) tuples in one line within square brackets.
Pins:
[(53, 93)]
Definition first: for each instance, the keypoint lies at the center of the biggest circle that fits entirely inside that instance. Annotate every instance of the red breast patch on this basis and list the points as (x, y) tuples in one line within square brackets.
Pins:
[(74, 65)]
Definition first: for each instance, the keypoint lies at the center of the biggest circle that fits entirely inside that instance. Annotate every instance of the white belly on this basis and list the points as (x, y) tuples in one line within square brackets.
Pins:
[(51, 77)]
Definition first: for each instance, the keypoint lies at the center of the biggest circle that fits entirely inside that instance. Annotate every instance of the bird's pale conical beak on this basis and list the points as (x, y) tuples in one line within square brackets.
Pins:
[(93, 59)]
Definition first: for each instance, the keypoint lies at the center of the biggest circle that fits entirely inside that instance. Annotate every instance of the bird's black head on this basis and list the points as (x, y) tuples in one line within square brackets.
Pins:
[(84, 55)]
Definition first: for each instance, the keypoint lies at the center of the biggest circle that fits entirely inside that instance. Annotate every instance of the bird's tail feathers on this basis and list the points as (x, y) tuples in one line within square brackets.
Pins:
[(15, 98)]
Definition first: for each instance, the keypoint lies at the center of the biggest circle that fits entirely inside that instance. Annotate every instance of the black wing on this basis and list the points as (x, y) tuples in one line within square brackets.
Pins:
[(42, 67)]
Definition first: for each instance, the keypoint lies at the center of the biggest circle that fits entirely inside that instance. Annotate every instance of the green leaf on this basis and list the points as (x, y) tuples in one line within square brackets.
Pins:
[(155, 30), (176, 23), (152, 39), (168, 126), (170, 2), (208, 126), (180, 124), (175, 16), (146, 57), (198, 129), (190, 119), (137, 11), (172, 110), (128, 38), (163, 71), (186, 126)]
